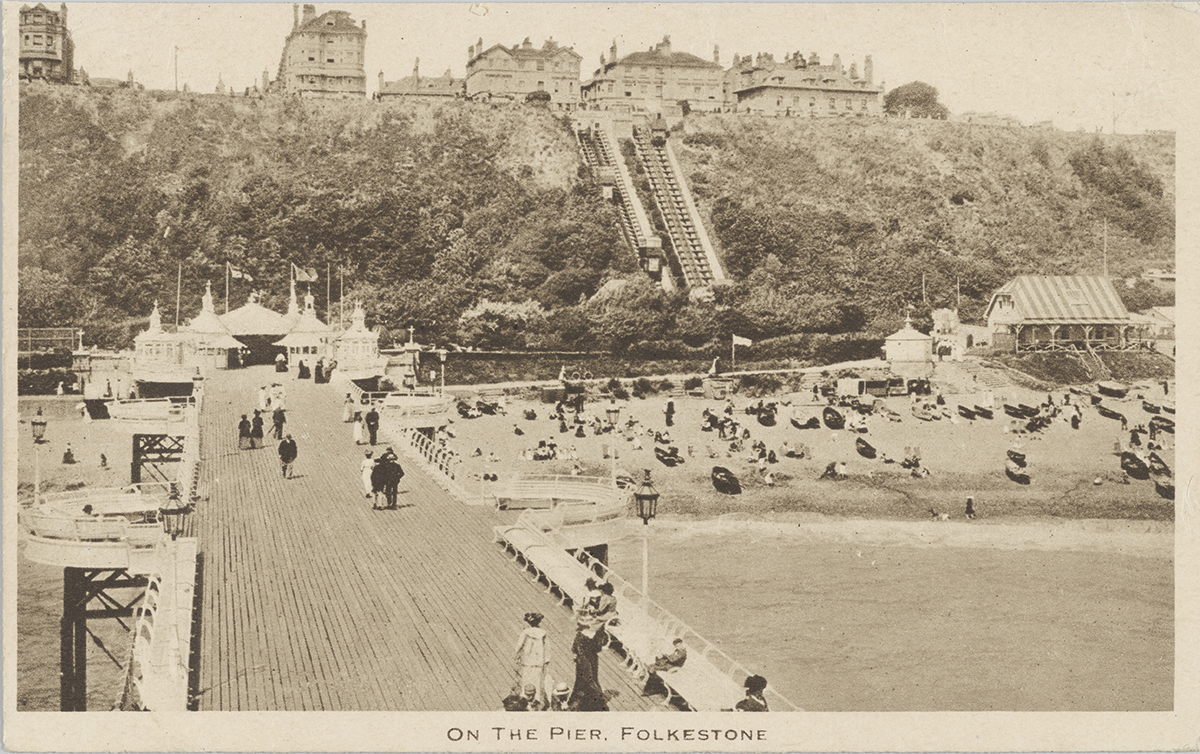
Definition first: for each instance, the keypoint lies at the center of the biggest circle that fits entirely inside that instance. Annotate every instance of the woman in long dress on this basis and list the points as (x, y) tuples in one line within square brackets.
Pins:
[(368, 465), (264, 400), (358, 432), (348, 409), (531, 657)]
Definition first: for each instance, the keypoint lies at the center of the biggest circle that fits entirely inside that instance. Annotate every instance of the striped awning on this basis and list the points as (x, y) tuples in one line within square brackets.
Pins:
[(1062, 300)]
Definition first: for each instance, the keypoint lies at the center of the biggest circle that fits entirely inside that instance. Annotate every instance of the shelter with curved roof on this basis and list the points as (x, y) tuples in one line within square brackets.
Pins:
[(1052, 312), (357, 351), (909, 352), (211, 338), (309, 338), (257, 327), (160, 356)]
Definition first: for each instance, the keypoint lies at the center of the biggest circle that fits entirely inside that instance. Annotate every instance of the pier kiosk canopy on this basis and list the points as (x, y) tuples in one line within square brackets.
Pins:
[(213, 342), (257, 327), (1064, 312), (309, 338), (163, 362)]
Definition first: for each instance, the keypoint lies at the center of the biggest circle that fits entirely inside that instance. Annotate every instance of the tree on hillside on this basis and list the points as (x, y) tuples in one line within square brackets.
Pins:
[(915, 99)]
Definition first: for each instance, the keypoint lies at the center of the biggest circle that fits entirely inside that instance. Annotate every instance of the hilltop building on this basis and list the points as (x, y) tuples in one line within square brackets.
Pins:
[(322, 56), (517, 71), (657, 79), (98, 82), (802, 87), (418, 88), (46, 52)]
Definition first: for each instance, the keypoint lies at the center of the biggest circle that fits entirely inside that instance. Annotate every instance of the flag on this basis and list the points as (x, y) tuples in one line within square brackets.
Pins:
[(740, 341), (234, 272), (304, 276)]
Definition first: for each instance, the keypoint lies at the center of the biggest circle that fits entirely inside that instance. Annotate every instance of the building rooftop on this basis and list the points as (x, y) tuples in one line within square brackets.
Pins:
[(1062, 299)]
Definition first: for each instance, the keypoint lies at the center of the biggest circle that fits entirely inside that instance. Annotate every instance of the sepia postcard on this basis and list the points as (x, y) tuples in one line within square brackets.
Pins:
[(422, 377)]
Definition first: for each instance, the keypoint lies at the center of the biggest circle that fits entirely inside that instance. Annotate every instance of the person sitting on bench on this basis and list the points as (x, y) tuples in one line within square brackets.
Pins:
[(663, 663)]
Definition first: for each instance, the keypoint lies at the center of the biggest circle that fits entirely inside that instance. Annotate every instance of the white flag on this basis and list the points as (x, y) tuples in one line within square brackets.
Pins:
[(738, 340)]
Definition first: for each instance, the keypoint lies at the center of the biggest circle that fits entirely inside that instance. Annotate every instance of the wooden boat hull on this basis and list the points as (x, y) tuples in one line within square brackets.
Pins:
[(864, 448), (1151, 408), (923, 415), (1158, 466), (767, 418), (1165, 490), (966, 413), (1016, 474), (1013, 411), (667, 458), (812, 423), (986, 413), (833, 418), (725, 482), (1163, 424), (1017, 457), (1108, 413), (1134, 466)]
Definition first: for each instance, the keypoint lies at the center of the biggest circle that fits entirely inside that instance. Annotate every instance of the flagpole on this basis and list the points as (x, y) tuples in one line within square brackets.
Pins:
[(733, 355), (227, 287), (328, 283), (178, 290), (341, 296)]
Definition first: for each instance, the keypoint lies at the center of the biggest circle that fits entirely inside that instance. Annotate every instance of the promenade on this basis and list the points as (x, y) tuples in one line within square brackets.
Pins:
[(311, 600)]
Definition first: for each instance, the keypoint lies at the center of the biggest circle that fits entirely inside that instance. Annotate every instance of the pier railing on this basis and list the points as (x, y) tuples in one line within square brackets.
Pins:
[(158, 670), (441, 463), (630, 600)]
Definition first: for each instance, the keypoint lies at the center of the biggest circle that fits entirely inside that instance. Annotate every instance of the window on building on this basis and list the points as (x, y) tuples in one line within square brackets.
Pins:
[(541, 86), (328, 60), (628, 94), (541, 65)]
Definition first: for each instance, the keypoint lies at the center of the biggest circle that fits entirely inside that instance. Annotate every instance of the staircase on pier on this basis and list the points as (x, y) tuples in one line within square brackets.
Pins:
[(698, 263), (600, 153)]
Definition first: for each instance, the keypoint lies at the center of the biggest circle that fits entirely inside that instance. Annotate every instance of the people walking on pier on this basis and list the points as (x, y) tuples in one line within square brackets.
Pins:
[(287, 456), (348, 408), (372, 420), (587, 695), (256, 430), (531, 658), (386, 476), (368, 465), (277, 421), (244, 429)]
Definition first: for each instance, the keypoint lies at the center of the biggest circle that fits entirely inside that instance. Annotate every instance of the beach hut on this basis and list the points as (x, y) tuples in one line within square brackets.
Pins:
[(210, 337), (909, 352)]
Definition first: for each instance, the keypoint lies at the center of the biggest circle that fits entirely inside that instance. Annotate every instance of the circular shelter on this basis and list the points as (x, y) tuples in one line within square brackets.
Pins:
[(909, 352), (163, 359), (309, 338), (256, 327), (357, 349)]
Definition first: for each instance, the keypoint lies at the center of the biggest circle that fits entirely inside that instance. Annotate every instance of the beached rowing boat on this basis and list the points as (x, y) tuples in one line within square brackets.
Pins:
[(1134, 466), (725, 482), (864, 448), (833, 418), (1112, 388)]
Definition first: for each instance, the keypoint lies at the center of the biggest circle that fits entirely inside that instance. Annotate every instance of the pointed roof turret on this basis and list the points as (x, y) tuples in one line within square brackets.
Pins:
[(155, 319)]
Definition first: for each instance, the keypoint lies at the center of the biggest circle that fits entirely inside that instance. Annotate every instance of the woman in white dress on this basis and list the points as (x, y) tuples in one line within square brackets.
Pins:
[(358, 432), (348, 409), (264, 401), (531, 657), (368, 465)]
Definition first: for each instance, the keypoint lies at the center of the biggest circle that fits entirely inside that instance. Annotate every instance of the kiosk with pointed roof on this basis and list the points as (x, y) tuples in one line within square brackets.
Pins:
[(162, 360), (909, 352), (210, 337), (309, 338), (357, 349), (257, 327)]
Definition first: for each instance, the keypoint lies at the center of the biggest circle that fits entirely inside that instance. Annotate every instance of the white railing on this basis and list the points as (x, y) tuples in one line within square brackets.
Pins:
[(162, 633), (557, 488), (441, 463), (630, 599)]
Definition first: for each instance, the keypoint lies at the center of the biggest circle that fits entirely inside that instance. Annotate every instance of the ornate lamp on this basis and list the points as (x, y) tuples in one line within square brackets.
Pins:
[(38, 424), (441, 354), (646, 498)]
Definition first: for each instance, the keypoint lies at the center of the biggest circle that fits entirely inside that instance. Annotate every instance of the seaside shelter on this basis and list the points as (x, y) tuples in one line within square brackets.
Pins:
[(309, 338), (163, 362), (909, 352), (215, 346), (257, 328), (1060, 312), (357, 349)]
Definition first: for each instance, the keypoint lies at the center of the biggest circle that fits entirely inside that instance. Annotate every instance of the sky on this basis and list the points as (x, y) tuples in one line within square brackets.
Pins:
[(1076, 64)]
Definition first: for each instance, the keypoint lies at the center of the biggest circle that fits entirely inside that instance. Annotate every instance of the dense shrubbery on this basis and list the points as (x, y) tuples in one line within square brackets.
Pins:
[(476, 225)]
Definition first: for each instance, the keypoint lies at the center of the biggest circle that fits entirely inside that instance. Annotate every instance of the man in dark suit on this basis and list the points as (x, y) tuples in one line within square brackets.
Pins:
[(287, 456), (386, 476), (372, 419)]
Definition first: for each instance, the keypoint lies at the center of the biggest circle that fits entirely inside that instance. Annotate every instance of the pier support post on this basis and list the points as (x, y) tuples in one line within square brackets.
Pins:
[(73, 643)]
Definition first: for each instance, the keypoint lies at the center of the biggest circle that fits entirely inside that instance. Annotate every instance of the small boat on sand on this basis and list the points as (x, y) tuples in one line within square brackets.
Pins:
[(965, 412), (1158, 466), (1151, 408), (812, 423), (833, 418), (1108, 413), (864, 448), (725, 482), (1017, 457), (922, 414), (1013, 411), (985, 413), (1134, 466), (1162, 424), (1165, 489), (1016, 473)]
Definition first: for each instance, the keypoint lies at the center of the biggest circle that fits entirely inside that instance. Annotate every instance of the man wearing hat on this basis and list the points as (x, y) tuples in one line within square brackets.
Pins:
[(558, 700)]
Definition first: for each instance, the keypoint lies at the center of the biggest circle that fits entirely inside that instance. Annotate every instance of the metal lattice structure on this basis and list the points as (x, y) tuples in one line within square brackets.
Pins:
[(44, 339)]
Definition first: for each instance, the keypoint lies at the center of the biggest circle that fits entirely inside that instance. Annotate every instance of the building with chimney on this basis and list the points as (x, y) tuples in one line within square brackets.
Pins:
[(800, 87), (322, 56), (46, 52), (421, 88), (516, 72), (656, 79)]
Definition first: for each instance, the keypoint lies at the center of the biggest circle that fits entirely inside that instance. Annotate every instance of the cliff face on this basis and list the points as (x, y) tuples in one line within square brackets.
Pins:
[(432, 209), (866, 206)]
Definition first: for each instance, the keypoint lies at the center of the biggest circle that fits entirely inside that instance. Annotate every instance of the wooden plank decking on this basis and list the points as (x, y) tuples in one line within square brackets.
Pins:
[(312, 601)]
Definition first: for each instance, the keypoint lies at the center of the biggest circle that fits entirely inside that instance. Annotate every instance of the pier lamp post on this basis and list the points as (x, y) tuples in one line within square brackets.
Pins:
[(441, 354), (613, 412), (646, 498), (38, 425)]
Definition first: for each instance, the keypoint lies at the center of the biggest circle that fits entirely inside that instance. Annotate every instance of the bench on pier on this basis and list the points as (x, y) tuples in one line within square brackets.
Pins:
[(550, 562)]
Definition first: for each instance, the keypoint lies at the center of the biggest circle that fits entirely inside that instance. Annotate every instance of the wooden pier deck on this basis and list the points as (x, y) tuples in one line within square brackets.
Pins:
[(311, 600)]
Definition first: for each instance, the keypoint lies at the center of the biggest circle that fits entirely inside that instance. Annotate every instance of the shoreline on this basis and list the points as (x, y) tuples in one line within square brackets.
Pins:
[(1138, 538)]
